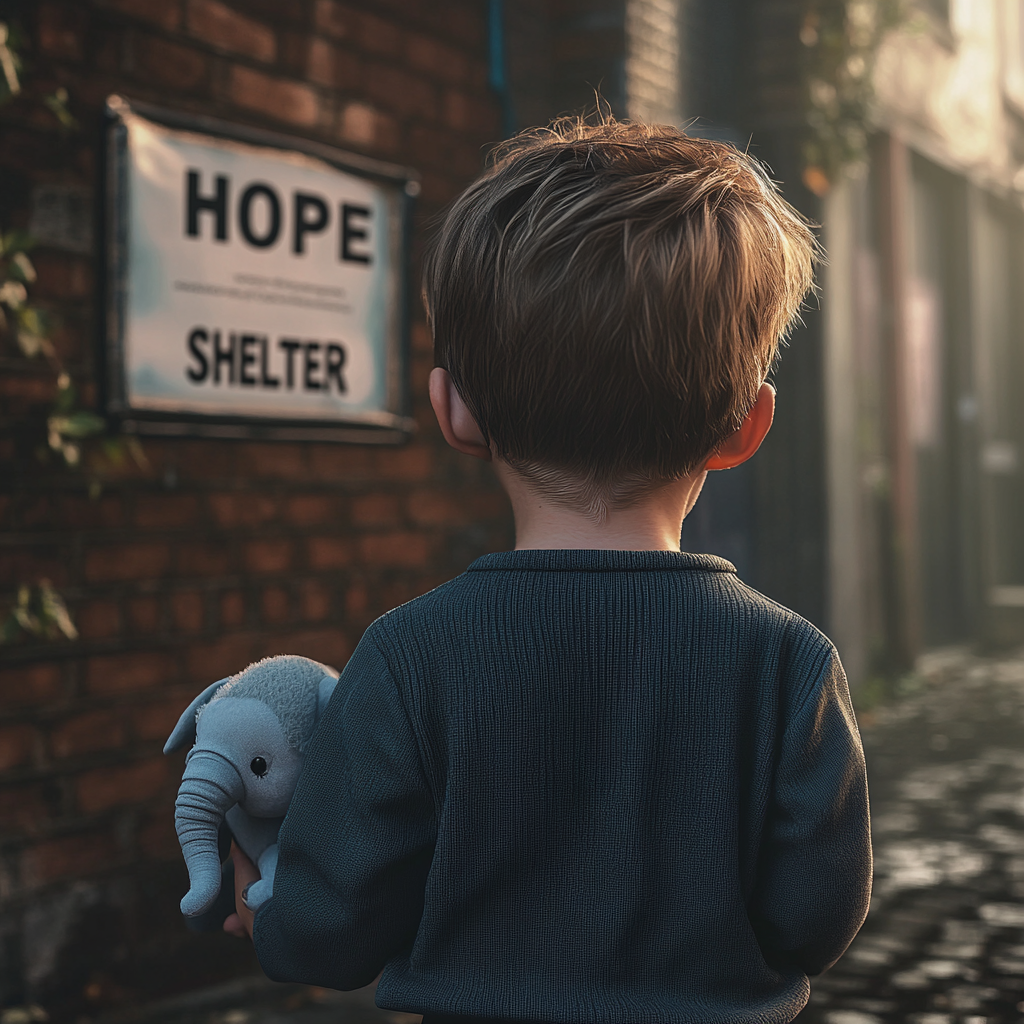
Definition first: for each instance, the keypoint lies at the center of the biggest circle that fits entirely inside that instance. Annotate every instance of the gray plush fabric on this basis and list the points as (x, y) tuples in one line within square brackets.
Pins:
[(287, 684)]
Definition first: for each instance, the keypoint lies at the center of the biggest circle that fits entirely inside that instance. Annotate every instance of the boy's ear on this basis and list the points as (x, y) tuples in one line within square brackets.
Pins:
[(454, 418), (740, 445)]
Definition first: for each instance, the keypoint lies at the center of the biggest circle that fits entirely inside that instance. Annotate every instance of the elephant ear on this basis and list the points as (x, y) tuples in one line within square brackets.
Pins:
[(323, 695), (185, 731)]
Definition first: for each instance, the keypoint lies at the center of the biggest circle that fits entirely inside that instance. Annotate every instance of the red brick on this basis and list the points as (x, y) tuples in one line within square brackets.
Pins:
[(31, 563), (75, 856), (166, 15), (160, 61), (22, 808), (157, 839), (206, 663), (422, 341), (193, 460), (17, 744), (436, 59), (226, 29), (334, 462), (276, 605), (105, 51), (125, 673), (310, 509), (157, 721), (126, 562), (448, 151), (203, 559), (272, 461), (331, 646), (409, 550), (162, 511), (327, 65), (389, 135), (359, 124), (464, 112), (490, 506), (376, 510), (61, 30), (187, 611), (144, 614), (469, 26), (316, 601), (437, 189), (405, 93), (433, 508), (333, 19), (282, 100), (232, 609), (412, 463), (419, 378), (106, 512), (357, 599), (268, 555), (97, 620), (61, 276), (28, 389), (293, 52), (243, 509), (379, 36), (398, 591), (329, 552), (103, 788), (87, 733), (30, 685)]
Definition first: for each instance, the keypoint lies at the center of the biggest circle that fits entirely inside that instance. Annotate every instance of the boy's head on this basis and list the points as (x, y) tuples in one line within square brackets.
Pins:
[(609, 298)]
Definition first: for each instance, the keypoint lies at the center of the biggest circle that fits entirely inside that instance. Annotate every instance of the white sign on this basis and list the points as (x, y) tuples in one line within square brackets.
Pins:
[(255, 282)]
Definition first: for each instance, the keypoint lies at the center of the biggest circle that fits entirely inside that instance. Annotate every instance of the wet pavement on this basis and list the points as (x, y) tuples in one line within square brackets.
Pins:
[(944, 940)]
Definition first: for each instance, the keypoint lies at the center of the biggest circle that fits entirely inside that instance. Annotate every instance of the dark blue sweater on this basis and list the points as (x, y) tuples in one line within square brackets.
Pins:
[(579, 786)]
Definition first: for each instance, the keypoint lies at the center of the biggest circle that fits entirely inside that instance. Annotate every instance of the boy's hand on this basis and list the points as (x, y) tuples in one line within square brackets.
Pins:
[(240, 922)]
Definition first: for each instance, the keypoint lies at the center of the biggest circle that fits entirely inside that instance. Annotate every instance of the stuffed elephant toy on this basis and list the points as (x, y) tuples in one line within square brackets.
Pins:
[(250, 733)]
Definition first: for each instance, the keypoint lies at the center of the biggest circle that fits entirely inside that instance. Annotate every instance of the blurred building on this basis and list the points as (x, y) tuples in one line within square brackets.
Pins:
[(885, 505), (924, 350)]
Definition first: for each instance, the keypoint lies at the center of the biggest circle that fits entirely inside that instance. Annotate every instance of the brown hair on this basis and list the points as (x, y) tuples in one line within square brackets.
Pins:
[(608, 298)]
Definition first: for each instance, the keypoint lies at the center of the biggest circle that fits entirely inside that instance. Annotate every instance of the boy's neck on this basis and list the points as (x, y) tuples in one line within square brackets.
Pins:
[(652, 522)]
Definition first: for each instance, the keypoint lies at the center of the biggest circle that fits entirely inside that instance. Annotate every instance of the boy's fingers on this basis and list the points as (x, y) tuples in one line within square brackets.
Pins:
[(233, 926), (245, 874)]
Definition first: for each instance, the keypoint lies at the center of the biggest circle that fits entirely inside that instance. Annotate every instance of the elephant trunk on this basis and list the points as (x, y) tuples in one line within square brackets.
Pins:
[(209, 788)]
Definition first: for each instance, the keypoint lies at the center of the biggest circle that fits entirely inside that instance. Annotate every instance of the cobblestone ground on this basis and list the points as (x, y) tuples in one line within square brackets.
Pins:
[(944, 941)]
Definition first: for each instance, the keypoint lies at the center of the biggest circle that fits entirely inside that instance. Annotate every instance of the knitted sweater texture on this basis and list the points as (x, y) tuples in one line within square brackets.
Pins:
[(579, 787)]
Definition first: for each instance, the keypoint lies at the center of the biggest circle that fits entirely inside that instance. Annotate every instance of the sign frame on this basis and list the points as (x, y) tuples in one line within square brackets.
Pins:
[(391, 426)]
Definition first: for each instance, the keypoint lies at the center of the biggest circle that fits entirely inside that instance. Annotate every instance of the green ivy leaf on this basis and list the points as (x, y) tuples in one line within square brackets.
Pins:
[(57, 104), (78, 424), (21, 268), (16, 240)]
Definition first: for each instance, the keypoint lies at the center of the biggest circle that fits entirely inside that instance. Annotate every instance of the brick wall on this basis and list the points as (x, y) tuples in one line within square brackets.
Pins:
[(217, 553)]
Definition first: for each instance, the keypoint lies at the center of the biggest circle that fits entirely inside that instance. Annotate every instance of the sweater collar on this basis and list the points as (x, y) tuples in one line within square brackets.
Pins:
[(588, 560)]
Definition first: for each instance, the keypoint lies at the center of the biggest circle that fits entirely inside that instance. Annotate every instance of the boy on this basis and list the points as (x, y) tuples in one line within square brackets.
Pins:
[(593, 779)]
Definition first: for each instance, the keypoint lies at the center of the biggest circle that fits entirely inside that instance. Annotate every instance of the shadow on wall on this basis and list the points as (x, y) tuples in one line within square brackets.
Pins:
[(720, 523)]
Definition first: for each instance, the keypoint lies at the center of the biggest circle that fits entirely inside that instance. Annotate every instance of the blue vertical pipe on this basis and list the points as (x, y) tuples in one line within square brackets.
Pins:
[(498, 77)]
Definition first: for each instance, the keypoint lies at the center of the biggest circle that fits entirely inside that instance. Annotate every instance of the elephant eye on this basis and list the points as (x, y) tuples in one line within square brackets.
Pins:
[(258, 766)]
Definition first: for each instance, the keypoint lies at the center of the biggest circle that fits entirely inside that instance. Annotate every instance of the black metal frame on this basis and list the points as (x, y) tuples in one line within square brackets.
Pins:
[(112, 280)]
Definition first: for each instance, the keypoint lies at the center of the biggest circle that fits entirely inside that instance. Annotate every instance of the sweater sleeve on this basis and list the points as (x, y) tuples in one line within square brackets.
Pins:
[(814, 877), (356, 845)]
